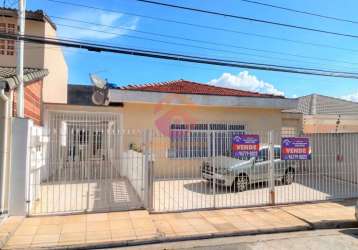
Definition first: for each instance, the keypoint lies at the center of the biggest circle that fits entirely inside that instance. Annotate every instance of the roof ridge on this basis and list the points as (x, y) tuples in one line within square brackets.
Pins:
[(215, 86), (182, 86)]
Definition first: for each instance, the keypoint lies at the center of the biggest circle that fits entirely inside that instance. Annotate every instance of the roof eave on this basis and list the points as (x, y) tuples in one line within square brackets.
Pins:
[(132, 96), (13, 81)]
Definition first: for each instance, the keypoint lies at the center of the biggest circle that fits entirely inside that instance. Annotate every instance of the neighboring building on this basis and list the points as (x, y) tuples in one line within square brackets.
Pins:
[(45, 79), (322, 114), (33, 81), (36, 55)]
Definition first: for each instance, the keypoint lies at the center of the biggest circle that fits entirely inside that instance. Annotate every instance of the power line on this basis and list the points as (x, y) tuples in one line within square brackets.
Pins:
[(186, 45), (318, 45), (95, 47), (301, 11), (196, 40), (174, 64), (250, 19)]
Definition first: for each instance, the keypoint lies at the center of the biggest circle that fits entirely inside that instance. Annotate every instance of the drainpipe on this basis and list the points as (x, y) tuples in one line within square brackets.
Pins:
[(20, 58), (4, 150)]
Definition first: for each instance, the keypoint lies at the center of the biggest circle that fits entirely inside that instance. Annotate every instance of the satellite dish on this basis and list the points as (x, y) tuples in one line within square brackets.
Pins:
[(100, 90), (98, 81), (100, 97)]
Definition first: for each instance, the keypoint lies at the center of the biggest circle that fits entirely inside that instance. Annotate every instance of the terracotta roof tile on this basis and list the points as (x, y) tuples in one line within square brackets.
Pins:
[(8, 75), (37, 15), (188, 87)]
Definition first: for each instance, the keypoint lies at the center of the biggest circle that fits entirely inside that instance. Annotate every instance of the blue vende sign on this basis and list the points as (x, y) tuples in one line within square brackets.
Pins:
[(245, 145), (295, 148)]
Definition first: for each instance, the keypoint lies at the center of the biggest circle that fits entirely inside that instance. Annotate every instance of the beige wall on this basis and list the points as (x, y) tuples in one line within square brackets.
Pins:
[(137, 116), (292, 123), (142, 116), (55, 84), (43, 56), (328, 124)]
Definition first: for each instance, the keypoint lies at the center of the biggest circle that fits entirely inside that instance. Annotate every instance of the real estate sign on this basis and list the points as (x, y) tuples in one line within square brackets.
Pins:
[(245, 145), (295, 148)]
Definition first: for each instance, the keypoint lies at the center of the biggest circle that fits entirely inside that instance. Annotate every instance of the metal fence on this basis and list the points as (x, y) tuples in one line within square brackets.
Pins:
[(86, 162), (196, 170)]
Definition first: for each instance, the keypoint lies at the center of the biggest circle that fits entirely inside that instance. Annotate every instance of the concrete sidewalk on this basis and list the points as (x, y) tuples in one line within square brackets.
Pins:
[(139, 227)]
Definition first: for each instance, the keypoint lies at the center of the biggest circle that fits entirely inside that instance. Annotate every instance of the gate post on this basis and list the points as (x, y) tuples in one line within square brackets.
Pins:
[(271, 178), (214, 165), (20, 167), (148, 174)]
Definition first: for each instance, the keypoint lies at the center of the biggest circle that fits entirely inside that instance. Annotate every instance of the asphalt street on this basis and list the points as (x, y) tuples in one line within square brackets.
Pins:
[(318, 239)]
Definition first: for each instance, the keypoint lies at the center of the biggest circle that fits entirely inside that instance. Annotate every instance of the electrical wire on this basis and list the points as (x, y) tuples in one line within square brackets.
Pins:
[(250, 19), (318, 45), (198, 40), (301, 11), (95, 47), (188, 45)]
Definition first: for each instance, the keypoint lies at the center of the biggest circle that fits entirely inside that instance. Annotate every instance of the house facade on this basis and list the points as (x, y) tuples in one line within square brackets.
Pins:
[(173, 108)]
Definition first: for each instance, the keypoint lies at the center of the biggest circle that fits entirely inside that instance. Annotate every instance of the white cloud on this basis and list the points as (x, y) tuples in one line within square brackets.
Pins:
[(245, 81), (96, 32), (351, 97)]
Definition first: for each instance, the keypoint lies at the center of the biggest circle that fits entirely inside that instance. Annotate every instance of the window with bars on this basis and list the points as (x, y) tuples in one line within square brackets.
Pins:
[(7, 47), (2, 42), (196, 140), (10, 48), (2, 47)]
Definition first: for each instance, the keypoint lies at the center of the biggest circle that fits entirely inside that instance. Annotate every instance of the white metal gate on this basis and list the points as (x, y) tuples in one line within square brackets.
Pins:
[(77, 164), (193, 169), (85, 162)]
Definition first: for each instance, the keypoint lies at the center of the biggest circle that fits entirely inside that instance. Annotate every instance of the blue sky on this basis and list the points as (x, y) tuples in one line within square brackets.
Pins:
[(124, 70)]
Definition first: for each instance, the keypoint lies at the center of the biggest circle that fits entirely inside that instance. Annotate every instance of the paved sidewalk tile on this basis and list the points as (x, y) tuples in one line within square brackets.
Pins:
[(139, 225)]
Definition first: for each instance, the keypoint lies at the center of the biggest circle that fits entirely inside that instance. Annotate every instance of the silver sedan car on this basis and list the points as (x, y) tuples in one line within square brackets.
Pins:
[(239, 174)]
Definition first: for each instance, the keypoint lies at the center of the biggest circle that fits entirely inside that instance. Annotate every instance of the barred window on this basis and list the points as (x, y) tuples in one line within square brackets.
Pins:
[(2, 47), (195, 140), (10, 48), (7, 47), (11, 28), (2, 27)]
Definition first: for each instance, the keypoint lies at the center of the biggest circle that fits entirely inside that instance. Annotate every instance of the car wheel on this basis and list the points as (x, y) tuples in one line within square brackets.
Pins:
[(241, 183), (289, 177)]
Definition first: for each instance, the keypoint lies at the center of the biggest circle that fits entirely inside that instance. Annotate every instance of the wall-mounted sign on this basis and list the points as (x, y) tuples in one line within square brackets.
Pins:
[(295, 148), (245, 145)]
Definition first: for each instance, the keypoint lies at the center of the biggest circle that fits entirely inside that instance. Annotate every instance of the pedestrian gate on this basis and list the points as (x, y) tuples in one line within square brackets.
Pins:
[(76, 165)]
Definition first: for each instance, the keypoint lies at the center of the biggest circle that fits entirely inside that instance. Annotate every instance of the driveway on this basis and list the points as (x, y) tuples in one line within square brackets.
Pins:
[(188, 194)]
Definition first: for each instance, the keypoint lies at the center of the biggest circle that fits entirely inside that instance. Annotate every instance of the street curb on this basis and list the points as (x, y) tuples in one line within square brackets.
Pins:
[(163, 239), (334, 224)]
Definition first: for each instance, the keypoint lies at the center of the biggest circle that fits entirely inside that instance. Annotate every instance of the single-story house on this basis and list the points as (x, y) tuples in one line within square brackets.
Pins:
[(181, 106), (323, 114), (182, 99)]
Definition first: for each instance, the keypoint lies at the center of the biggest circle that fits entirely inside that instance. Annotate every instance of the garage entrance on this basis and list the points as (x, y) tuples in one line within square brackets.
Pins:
[(76, 165), (199, 172)]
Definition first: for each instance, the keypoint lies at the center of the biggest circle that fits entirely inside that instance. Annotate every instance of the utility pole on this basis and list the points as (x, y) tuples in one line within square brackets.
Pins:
[(20, 58)]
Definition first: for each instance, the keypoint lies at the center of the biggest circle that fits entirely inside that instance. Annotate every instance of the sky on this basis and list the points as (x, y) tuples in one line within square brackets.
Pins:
[(122, 28)]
